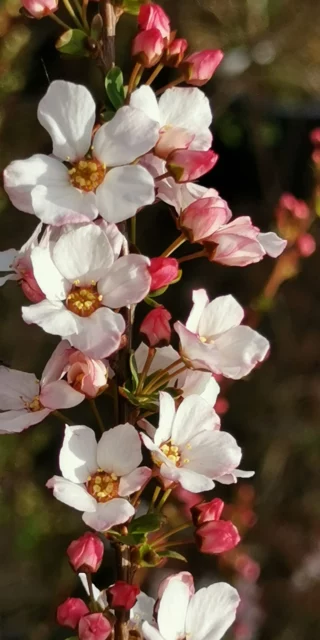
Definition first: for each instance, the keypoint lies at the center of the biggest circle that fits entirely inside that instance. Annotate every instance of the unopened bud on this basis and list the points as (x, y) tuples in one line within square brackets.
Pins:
[(186, 166), (94, 627), (122, 595), (199, 67), (147, 47), (203, 217), (152, 16), (174, 53), (163, 271), (86, 553), (207, 511), (217, 536), (40, 8), (156, 327), (306, 245), (70, 612)]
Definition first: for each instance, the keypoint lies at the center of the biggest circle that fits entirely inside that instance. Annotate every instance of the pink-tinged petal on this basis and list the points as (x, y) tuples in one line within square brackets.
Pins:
[(134, 481), (73, 495), (212, 454), (145, 99), (124, 191), (193, 416), (83, 254), (99, 335), (240, 349), (166, 418), (59, 395), (109, 514), (237, 252), (21, 176), (164, 356), (129, 135), (67, 112), (200, 301), (49, 279), (127, 282), (188, 479), (147, 427), (219, 316), (153, 447), (52, 317), (203, 356), (231, 478), (16, 387), (182, 576), (173, 610), (150, 632), (17, 421), (222, 601), (201, 383), (115, 237), (57, 363), (272, 244), (60, 203), (196, 118), (78, 454), (119, 450)]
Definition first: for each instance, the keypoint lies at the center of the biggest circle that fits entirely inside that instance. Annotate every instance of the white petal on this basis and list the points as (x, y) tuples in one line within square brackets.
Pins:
[(166, 418), (145, 99), (59, 202), (74, 495), (203, 356), (200, 301), (83, 254), (16, 387), (189, 480), (240, 349), (78, 454), (200, 383), (67, 112), (164, 356), (100, 333), (49, 279), (119, 450), (115, 237), (212, 453), (219, 316), (52, 317), (10, 276), (21, 176), (124, 191), (196, 118), (272, 244), (127, 136), (59, 395), (7, 258), (150, 632), (221, 600), (142, 610), (109, 514), (56, 364), (134, 481), (193, 416), (173, 610), (17, 421), (127, 282)]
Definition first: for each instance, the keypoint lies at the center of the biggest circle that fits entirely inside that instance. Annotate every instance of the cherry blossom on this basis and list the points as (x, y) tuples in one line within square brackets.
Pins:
[(70, 612), (40, 8), (19, 266), (213, 339), (84, 177), (98, 478), (81, 281)]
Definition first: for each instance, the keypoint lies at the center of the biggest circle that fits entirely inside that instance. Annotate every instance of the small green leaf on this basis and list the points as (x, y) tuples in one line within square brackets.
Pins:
[(107, 115), (131, 540), (134, 372), (133, 6), (145, 524), (114, 87), (73, 43), (152, 303), (158, 292), (168, 553)]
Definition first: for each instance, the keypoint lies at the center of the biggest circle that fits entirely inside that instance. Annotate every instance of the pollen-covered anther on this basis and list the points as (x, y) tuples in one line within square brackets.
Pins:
[(83, 300), (171, 451), (103, 486), (87, 175), (34, 405)]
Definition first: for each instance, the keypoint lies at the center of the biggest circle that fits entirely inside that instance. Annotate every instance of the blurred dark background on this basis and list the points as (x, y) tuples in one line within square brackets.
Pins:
[(266, 100)]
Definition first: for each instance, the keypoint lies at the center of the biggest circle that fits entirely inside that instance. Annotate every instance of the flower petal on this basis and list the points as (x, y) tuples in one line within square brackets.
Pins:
[(16, 387), (193, 416), (201, 383), (124, 191), (119, 450), (196, 118), (203, 356), (173, 610), (17, 421), (200, 301), (109, 514), (164, 356), (272, 243), (78, 454), (222, 601), (7, 258), (49, 279), (98, 335), (240, 349), (150, 632), (127, 282), (142, 610), (134, 481), (212, 453), (166, 418), (10, 276), (129, 135), (83, 254), (219, 316), (189, 480), (52, 317), (145, 99), (59, 395), (74, 495), (67, 112), (56, 364), (59, 203)]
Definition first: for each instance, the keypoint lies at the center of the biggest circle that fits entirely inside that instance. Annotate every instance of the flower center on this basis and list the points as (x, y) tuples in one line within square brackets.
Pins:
[(84, 300), (206, 340), (103, 486), (171, 451), (87, 174), (34, 405)]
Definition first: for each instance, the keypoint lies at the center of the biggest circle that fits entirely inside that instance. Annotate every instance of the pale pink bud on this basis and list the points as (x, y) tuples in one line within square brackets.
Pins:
[(203, 217), (207, 511), (147, 47), (153, 16), (172, 138), (298, 208), (306, 245), (174, 53), (70, 612), (40, 8), (156, 327), (185, 165), (163, 271), (86, 375), (183, 576), (122, 595), (94, 627), (199, 67), (217, 536), (86, 553)]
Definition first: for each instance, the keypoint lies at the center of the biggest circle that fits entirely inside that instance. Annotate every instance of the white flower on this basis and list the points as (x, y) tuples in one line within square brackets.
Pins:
[(98, 478), (16, 263), (95, 179), (205, 615), (214, 340), (201, 383), (188, 446), (81, 280)]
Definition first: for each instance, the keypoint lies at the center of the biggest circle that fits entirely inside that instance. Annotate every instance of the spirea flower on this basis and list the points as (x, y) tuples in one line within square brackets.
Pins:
[(84, 176), (98, 478)]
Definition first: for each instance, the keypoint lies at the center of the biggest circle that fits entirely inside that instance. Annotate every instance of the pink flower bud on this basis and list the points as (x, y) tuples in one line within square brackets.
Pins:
[(203, 217), (70, 612), (86, 375), (163, 271), (147, 47), (40, 8), (207, 511), (122, 595), (94, 627), (30, 287), (199, 67), (153, 16), (183, 576), (174, 53), (306, 245), (185, 165), (315, 136), (156, 327), (86, 553), (217, 536)]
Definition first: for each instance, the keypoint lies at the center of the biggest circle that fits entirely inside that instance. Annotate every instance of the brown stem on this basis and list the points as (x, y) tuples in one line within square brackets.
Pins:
[(109, 20), (169, 85), (193, 256), (174, 245), (123, 562), (132, 80), (154, 74)]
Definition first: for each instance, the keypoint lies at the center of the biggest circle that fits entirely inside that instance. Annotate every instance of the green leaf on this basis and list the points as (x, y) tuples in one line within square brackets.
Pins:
[(158, 292), (132, 6), (114, 87), (107, 115), (132, 540), (145, 524), (73, 43), (134, 371), (168, 553)]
